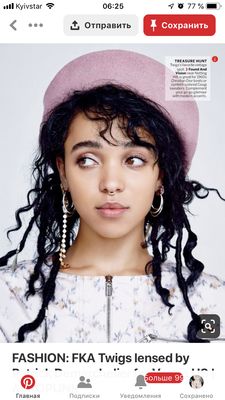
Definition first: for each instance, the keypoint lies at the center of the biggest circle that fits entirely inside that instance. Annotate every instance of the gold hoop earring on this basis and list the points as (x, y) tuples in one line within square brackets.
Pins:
[(155, 211), (67, 211)]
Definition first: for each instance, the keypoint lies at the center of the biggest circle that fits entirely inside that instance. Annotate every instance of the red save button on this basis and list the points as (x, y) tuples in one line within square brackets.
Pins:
[(179, 25)]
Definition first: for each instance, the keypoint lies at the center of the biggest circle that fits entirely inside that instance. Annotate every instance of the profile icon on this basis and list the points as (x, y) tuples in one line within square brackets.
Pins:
[(82, 384), (196, 381)]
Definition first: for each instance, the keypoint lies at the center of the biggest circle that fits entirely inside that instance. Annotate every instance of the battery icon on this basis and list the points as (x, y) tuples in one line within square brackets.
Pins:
[(213, 6)]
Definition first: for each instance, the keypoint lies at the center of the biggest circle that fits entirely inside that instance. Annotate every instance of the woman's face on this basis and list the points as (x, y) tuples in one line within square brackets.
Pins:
[(112, 185), (197, 382)]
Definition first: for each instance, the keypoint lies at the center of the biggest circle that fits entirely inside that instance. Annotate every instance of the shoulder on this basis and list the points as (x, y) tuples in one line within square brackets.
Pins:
[(16, 276), (15, 280), (206, 295), (14, 283), (20, 274), (205, 282), (15, 308)]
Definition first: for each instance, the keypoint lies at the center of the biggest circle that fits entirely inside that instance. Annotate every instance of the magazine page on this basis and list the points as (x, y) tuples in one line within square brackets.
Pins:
[(113, 200)]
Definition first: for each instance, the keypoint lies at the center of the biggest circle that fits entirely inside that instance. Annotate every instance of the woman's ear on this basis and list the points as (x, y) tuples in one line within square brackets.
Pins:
[(159, 184), (61, 168)]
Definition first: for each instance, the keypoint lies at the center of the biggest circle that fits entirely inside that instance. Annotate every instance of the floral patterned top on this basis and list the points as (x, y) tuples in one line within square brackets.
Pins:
[(93, 309)]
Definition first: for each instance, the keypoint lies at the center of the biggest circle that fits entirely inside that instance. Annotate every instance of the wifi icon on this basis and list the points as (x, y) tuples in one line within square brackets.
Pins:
[(50, 5)]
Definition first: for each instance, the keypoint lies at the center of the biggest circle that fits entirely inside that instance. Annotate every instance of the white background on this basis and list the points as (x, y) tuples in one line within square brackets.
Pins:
[(110, 380), (25, 72), (53, 21)]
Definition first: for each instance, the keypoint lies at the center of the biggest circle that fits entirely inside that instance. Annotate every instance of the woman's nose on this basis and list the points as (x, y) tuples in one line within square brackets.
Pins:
[(111, 181)]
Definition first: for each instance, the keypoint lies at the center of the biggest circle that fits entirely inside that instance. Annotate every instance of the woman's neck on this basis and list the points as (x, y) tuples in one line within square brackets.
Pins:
[(91, 254)]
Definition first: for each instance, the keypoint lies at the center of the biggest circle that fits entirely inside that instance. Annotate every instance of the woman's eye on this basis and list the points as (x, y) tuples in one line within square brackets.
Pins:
[(136, 161), (86, 162)]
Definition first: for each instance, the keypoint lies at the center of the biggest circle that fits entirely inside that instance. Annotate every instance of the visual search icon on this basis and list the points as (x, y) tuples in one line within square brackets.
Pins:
[(210, 326)]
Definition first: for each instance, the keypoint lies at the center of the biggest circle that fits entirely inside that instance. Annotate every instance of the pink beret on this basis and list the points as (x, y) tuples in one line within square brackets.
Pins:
[(131, 70)]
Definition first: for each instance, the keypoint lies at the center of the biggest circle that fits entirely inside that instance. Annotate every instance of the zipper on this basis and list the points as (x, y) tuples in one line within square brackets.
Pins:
[(108, 293), (149, 338)]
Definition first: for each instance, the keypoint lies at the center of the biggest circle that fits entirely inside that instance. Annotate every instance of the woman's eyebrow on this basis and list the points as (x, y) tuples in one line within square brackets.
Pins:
[(141, 143), (87, 143), (97, 145)]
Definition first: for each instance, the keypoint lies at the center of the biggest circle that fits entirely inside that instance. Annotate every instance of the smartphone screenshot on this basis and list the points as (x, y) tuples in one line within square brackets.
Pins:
[(112, 273)]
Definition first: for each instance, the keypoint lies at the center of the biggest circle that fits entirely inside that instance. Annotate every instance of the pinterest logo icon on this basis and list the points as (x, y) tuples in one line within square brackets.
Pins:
[(28, 381)]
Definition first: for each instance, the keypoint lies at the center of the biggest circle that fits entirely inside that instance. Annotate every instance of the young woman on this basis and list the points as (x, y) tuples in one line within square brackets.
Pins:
[(110, 200), (196, 381)]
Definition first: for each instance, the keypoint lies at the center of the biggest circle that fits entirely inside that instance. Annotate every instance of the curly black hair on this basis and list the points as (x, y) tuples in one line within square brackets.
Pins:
[(106, 103)]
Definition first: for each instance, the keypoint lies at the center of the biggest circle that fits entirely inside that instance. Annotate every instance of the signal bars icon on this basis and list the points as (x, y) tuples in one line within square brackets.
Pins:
[(9, 6), (50, 5)]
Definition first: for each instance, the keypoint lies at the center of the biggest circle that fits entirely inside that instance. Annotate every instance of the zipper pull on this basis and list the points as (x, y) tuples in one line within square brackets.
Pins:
[(108, 285), (108, 293), (148, 338)]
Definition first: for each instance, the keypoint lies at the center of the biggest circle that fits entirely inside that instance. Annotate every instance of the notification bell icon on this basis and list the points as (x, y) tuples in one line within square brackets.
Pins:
[(140, 381)]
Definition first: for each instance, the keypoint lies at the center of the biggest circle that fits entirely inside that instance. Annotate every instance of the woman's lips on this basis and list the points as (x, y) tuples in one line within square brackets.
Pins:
[(111, 210)]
